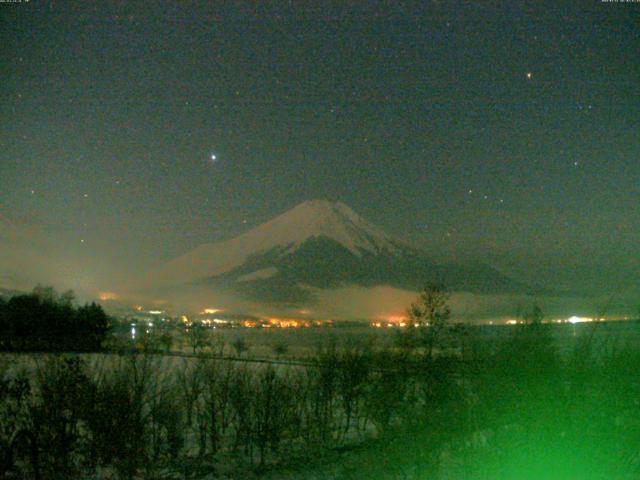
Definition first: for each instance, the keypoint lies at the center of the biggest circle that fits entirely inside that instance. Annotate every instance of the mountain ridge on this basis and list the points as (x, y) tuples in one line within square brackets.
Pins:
[(318, 244), (312, 218)]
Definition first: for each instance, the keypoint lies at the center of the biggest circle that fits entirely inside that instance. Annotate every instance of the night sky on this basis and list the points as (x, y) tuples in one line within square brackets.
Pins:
[(499, 131)]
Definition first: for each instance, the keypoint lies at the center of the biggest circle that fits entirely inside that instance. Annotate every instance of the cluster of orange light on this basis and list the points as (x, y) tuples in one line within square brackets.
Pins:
[(214, 321), (297, 323), (107, 296), (288, 323), (272, 322), (390, 322)]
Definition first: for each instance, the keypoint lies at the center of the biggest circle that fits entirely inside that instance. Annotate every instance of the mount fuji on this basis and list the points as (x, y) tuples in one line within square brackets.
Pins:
[(317, 245)]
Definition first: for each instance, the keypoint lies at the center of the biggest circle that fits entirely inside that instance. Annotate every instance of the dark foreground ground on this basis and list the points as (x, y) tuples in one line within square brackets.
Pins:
[(534, 401)]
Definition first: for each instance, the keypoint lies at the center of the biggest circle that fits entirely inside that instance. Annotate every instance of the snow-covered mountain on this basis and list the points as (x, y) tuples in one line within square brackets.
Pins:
[(286, 233), (317, 244)]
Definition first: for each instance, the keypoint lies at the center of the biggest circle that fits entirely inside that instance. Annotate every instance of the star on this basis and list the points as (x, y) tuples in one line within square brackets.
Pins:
[(529, 75)]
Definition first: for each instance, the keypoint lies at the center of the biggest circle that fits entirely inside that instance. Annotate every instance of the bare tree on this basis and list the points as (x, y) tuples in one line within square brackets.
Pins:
[(240, 346), (217, 345), (280, 349), (190, 380), (216, 402), (198, 337), (273, 410), (428, 317), (353, 375)]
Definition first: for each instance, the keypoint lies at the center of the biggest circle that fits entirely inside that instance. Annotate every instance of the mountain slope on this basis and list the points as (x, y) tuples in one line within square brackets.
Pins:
[(322, 245), (285, 233)]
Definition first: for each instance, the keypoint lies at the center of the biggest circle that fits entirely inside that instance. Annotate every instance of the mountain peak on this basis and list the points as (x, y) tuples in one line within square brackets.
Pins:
[(322, 218), (307, 220), (319, 205), (325, 210)]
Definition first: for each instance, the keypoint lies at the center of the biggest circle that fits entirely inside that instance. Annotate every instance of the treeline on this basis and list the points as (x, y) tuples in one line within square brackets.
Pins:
[(47, 321), (139, 415), (505, 409)]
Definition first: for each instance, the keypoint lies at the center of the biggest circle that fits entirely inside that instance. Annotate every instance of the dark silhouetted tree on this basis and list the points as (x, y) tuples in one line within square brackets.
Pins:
[(427, 318), (45, 321), (280, 349), (198, 337), (240, 346)]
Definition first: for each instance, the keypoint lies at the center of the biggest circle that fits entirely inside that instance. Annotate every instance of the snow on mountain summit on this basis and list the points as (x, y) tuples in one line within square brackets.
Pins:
[(318, 218), (310, 219)]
